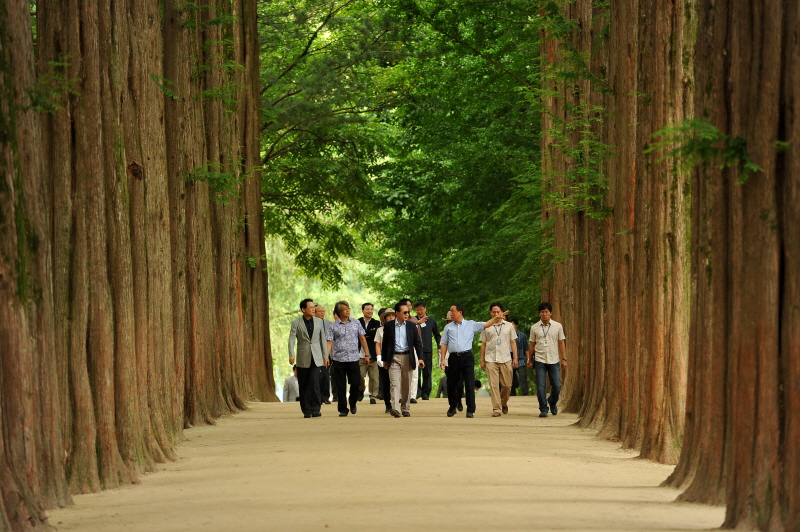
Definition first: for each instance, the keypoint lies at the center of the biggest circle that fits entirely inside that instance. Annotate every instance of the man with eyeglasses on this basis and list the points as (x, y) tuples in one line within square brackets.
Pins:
[(401, 352), (457, 338)]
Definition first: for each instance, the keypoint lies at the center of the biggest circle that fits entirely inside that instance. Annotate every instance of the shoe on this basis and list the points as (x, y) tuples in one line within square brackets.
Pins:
[(495, 414), (316, 414), (425, 398), (470, 414), (414, 401), (543, 414), (361, 397), (335, 399), (306, 415), (451, 412), (460, 407), (353, 409), (388, 411), (379, 397), (395, 413), (372, 401), (505, 410), (554, 410), (342, 414), (326, 402), (406, 414)]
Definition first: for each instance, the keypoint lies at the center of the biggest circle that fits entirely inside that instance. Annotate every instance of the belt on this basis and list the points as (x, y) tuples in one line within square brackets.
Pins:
[(401, 352), (462, 353)]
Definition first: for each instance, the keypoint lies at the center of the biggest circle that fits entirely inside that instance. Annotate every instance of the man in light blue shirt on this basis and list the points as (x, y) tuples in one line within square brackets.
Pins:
[(457, 340)]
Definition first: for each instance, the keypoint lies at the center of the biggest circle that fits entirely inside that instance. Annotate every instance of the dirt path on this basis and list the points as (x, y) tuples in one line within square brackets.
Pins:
[(271, 469)]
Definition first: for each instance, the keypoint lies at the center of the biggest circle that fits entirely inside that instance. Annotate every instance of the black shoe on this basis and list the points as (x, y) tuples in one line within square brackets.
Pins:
[(543, 414), (335, 399), (326, 402), (470, 414), (353, 409), (451, 412), (342, 414), (460, 407), (361, 397), (379, 397), (316, 414), (388, 411), (414, 401), (306, 415), (372, 401), (554, 410), (425, 397)]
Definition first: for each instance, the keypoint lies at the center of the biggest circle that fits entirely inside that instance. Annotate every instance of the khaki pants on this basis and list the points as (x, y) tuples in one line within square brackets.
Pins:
[(400, 374), (499, 374), (372, 371)]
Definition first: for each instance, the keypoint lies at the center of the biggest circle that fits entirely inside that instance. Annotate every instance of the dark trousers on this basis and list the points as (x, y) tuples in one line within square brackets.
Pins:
[(344, 372), (461, 368), (554, 370), (308, 381), (324, 383), (385, 386), (522, 372), (334, 382), (425, 384)]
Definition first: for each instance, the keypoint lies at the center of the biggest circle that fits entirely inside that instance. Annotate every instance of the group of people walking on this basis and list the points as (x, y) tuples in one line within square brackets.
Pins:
[(396, 353)]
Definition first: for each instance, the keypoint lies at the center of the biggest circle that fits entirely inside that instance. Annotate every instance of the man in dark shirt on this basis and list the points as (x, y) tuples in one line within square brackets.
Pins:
[(522, 347), (370, 326), (430, 331)]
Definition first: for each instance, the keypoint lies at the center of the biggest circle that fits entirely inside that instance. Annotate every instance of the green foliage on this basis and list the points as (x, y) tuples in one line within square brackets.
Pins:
[(163, 85), (223, 185), (52, 87), (695, 140)]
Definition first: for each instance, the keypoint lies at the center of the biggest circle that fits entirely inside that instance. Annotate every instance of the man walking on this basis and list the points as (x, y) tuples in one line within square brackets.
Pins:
[(326, 375), (344, 337), (499, 359), (370, 327), (401, 352), (457, 339), (307, 332), (522, 349), (547, 343), (430, 332), (417, 322)]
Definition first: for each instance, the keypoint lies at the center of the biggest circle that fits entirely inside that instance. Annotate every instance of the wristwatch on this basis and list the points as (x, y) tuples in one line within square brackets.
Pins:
[(564, 359)]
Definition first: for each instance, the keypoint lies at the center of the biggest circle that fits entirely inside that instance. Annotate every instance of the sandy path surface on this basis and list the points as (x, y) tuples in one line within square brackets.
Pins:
[(271, 469)]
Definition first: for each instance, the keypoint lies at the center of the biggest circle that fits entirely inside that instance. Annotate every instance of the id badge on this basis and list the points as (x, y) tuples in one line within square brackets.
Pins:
[(545, 342), (498, 341)]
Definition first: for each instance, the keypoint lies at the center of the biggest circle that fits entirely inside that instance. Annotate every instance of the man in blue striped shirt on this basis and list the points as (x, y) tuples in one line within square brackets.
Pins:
[(457, 340)]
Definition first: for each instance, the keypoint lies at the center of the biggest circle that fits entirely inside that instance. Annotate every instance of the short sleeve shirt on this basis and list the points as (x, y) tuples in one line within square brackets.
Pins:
[(379, 335), (498, 339), (545, 339), (345, 338)]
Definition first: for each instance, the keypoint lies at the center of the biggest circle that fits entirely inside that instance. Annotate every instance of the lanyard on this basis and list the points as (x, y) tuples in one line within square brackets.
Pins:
[(549, 324)]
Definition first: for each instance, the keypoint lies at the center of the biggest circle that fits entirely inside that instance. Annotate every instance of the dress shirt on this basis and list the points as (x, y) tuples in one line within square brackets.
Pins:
[(345, 338), (504, 332), (459, 336), (309, 326), (400, 338), (545, 340)]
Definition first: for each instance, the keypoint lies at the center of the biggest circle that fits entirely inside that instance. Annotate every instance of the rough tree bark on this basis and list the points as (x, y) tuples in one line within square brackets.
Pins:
[(132, 312), (743, 444), (622, 289)]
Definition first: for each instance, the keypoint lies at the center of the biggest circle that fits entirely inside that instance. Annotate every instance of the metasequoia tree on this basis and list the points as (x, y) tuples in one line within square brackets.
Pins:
[(742, 438), (131, 222), (620, 217)]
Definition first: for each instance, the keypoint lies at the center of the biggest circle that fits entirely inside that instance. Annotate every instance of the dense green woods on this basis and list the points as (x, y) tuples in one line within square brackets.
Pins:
[(159, 158)]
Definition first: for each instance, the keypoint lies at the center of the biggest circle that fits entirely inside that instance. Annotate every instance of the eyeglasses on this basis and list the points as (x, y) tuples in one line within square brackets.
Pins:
[(405, 312)]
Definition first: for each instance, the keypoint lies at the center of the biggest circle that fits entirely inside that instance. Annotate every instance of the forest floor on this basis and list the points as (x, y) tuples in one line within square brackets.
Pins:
[(270, 469)]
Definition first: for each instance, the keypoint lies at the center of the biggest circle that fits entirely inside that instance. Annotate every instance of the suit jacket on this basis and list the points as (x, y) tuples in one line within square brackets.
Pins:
[(412, 336), (370, 329), (307, 347), (291, 389)]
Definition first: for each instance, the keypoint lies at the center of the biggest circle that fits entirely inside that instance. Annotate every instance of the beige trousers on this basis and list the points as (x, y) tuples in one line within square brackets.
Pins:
[(372, 371), (400, 375), (500, 374)]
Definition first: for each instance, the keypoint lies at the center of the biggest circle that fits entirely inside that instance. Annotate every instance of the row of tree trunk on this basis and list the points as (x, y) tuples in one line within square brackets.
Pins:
[(132, 289), (682, 294)]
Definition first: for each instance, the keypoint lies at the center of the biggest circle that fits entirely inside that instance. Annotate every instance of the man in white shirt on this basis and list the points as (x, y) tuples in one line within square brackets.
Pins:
[(546, 348), (499, 358)]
